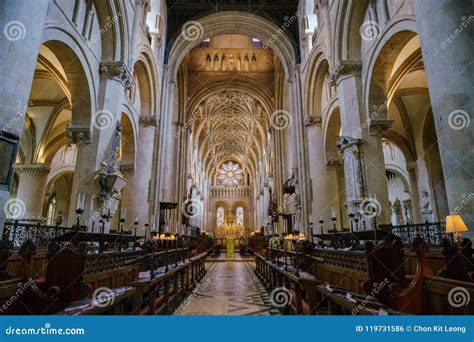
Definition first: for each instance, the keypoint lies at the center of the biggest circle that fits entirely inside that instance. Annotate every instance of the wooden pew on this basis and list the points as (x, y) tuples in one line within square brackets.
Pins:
[(303, 286), (343, 302), (114, 303), (164, 292), (63, 284)]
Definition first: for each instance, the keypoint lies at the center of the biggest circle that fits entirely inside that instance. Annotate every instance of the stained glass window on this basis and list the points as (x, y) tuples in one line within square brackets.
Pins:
[(230, 174), (239, 213), (220, 216)]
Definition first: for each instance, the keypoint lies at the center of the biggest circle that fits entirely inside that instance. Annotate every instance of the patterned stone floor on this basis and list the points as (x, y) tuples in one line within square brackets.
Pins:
[(228, 289)]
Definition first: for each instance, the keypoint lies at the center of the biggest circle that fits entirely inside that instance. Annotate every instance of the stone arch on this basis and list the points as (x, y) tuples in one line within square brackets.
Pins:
[(114, 30), (350, 16), (318, 67), (128, 140), (78, 70), (146, 82), (381, 62), (332, 127), (234, 22)]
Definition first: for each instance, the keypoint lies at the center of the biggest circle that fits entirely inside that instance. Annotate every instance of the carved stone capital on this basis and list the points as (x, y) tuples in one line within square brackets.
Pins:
[(79, 134), (118, 71), (377, 127), (346, 142), (127, 169), (313, 120), (148, 121), (33, 169), (345, 68)]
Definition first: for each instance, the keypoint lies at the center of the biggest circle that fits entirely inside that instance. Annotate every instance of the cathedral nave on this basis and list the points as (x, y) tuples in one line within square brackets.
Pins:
[(279, 157)]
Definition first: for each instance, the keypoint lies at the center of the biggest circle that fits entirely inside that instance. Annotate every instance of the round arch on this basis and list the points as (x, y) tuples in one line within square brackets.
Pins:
[(234, 22)]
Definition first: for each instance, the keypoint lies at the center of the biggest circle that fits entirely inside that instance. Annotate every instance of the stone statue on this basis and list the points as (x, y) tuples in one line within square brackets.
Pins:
[(396, 217), (424, 200)]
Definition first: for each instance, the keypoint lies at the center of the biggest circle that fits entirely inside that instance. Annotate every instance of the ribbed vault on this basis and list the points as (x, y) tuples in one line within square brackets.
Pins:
[(229, 125)]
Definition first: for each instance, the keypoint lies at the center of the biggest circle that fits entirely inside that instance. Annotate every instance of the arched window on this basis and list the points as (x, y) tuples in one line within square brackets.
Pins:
[(239, 213), (220, 216)]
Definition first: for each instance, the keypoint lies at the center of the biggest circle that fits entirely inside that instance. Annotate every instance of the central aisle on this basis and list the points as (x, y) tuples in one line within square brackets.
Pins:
[(229, 288)]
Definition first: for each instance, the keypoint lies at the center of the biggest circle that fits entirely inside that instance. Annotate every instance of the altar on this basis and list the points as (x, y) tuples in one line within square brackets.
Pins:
[(229, 235)]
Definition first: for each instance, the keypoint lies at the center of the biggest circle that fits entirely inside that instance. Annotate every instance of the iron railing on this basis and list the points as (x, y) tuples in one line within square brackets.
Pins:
[(18, 231), (432, 232)]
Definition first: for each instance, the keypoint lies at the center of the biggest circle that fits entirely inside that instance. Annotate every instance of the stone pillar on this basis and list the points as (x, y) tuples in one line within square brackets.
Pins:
[(32, 188), (128, 198), (141, 182), (140, 7), (361, 145), (168, 146), (414, 192), (449, 70), (298, 147), (324, 179), (94, 141), (20, 39)]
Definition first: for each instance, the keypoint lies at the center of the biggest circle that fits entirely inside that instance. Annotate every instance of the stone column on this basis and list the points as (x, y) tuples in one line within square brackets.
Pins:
[(168, 146), (94, 141), (361, 144), (32, 188), (137, 27), (141, 182), (414, 192), (298, 147), (128, 198), (448, 50), (22, 25), (323, 178)]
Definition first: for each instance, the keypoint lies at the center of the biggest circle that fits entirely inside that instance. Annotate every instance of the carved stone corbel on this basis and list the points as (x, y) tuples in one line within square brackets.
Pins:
[(313, 120), (118, 71), (79, 134), (148, 121), (345, 68)]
